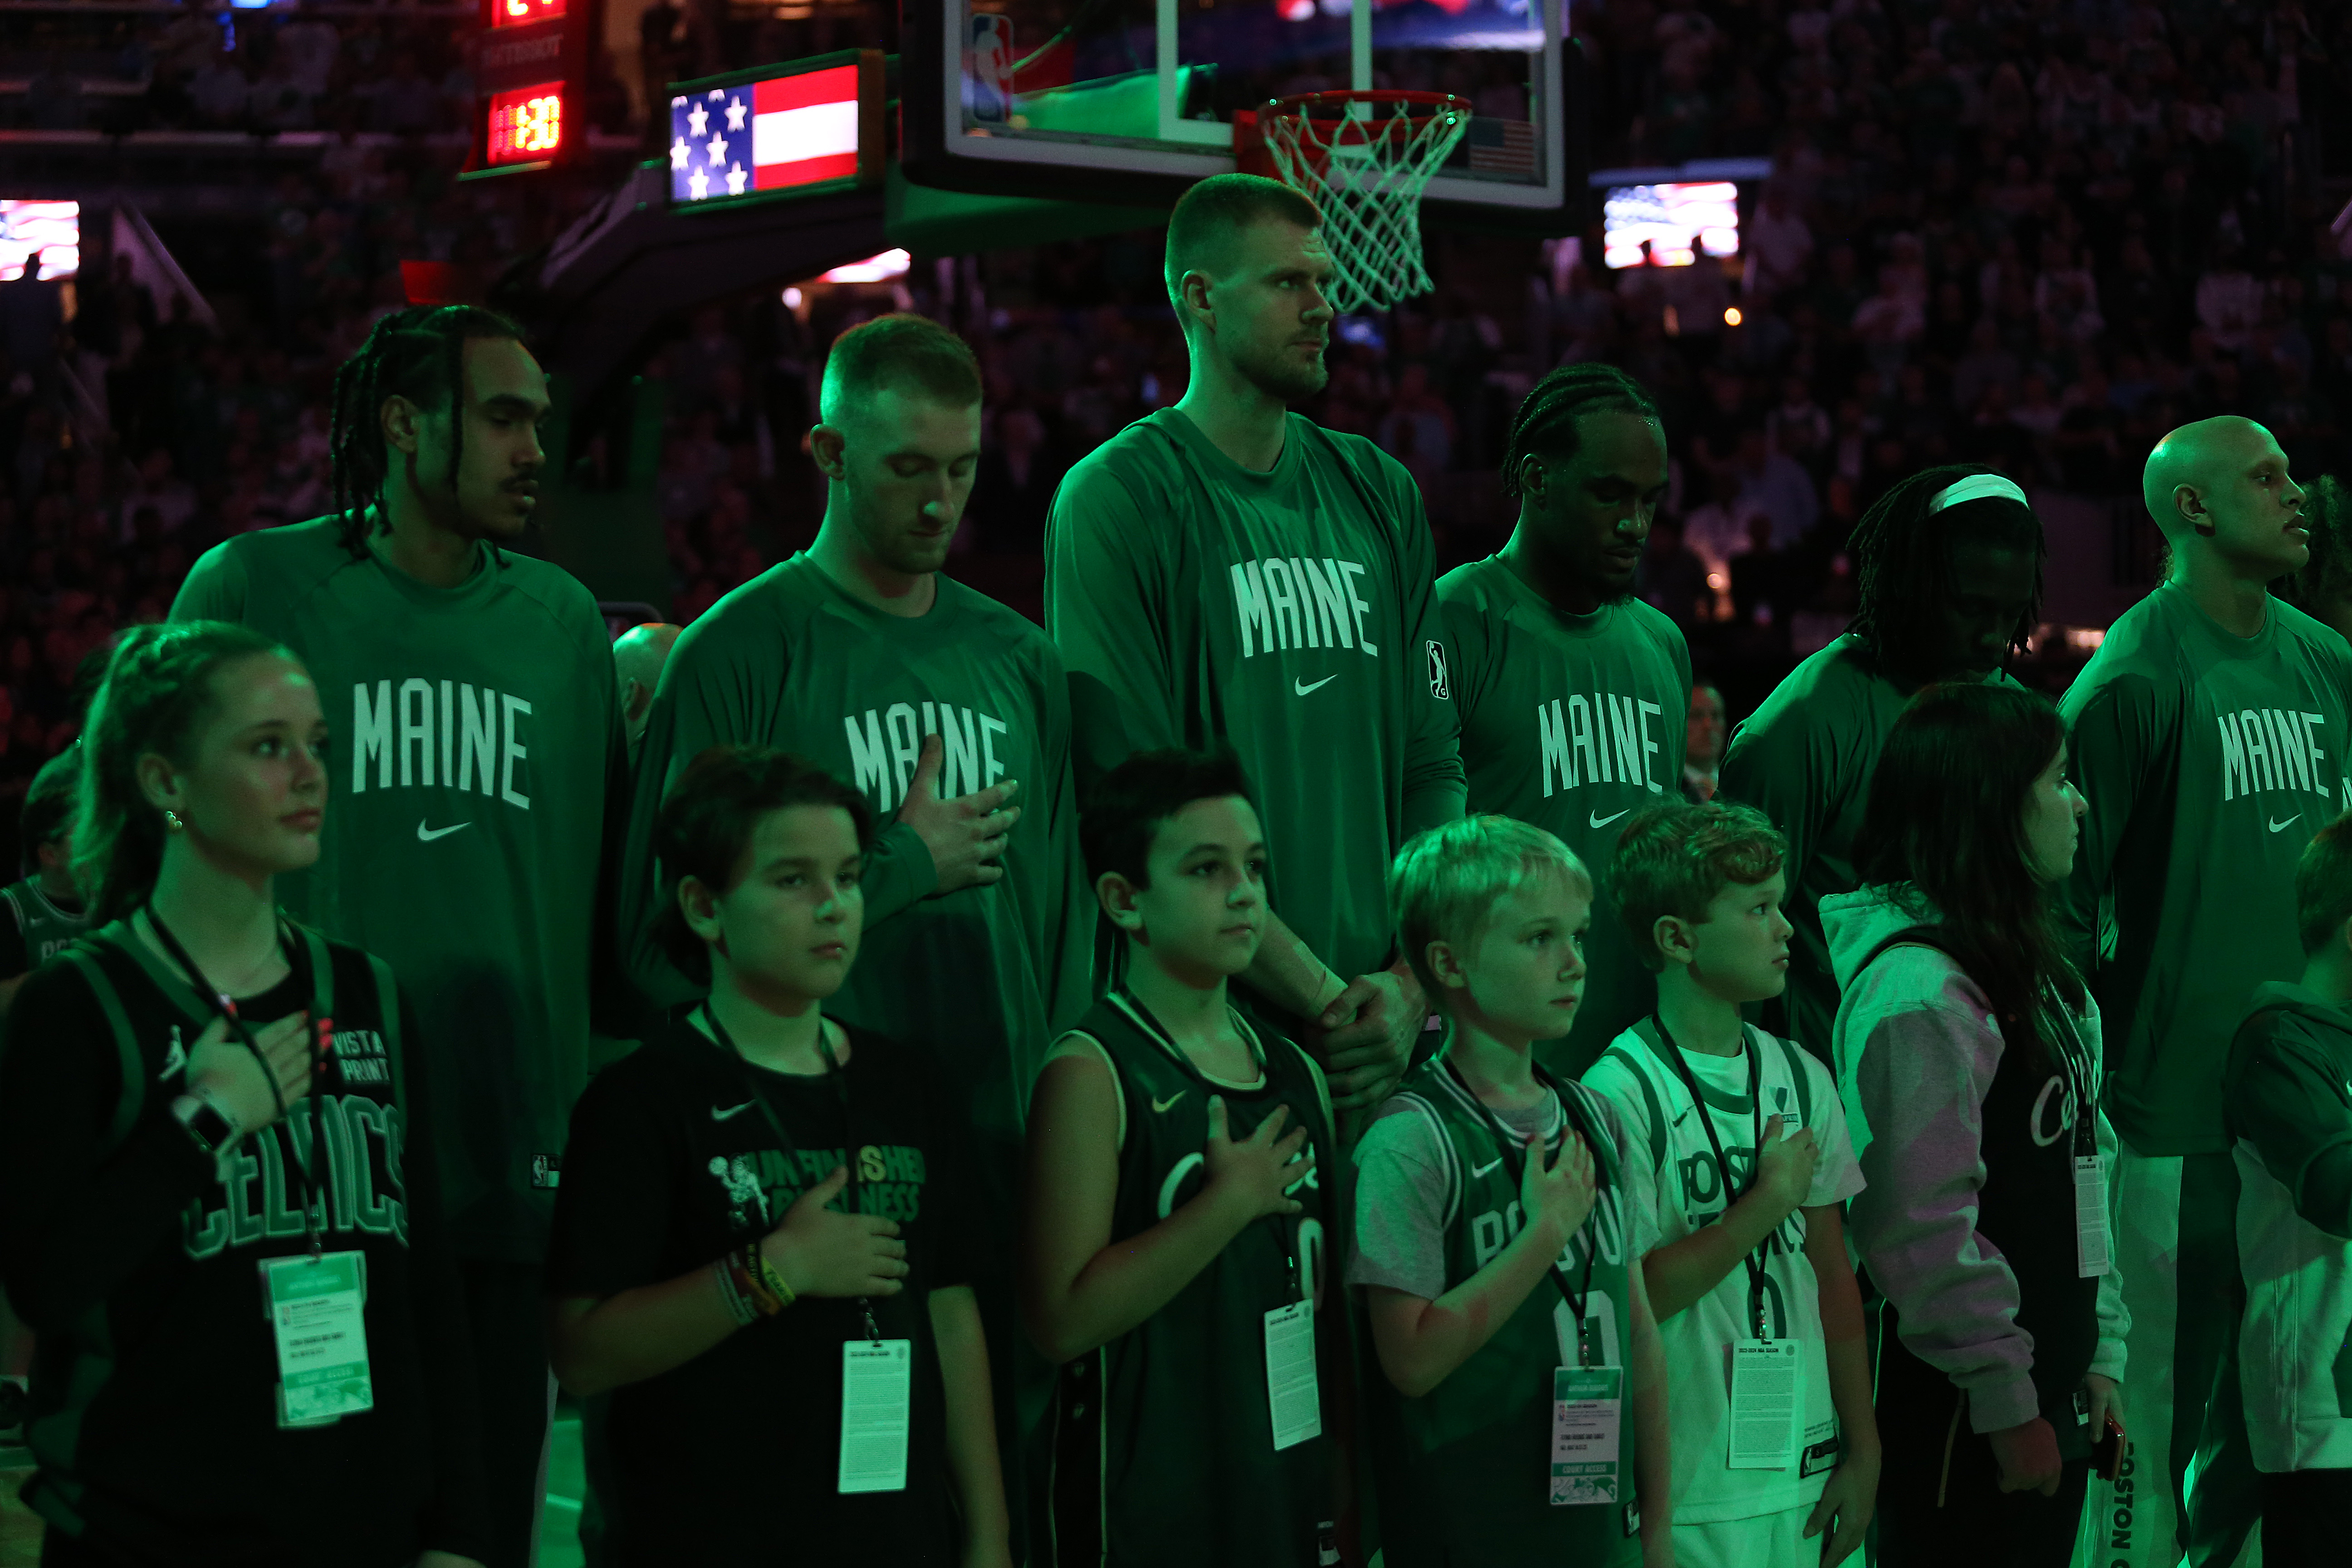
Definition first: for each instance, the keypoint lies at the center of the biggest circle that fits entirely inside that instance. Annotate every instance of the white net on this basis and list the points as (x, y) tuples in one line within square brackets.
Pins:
[(1366, 160)]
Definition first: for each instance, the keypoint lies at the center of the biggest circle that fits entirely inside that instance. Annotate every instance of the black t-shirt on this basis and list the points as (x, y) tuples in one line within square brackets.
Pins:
[(732, 1457)]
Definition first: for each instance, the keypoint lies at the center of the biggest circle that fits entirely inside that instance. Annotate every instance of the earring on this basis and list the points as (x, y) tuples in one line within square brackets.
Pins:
[(172, 823)]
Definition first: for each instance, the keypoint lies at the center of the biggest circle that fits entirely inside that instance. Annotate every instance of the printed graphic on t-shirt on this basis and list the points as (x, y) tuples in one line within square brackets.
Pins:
[(886, 743), (1604, 738), (253, 1196), (1298, 602), (2277, 752), (422, 735), (758, 1185)]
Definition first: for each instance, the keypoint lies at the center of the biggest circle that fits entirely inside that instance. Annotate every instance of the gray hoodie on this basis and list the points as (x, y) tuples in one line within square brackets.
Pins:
[(1915, 1047)]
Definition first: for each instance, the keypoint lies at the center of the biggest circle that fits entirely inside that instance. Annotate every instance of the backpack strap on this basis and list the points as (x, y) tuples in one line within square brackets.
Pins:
[(387, 1001), (132, 1099), (322, 967)]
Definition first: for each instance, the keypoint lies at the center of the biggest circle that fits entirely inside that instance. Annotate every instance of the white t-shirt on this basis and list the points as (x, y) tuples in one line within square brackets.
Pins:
[(1666, 1146)]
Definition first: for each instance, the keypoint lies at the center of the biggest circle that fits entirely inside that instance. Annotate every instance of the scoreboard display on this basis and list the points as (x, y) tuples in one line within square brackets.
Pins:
[(529, 58), (526, 124)]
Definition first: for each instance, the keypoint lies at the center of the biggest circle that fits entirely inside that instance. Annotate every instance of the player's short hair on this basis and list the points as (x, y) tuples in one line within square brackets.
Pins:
[(1902, 552), (904, 351), (1124, 810), (1209, 214), (2323, 886), (49, 810), (1545, 425), (706, 821), (1674, 859), (1444, 885)]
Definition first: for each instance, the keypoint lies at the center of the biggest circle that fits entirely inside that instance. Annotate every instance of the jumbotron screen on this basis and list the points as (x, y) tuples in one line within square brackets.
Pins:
[(762, 137), (47, 233), (1670, 225)]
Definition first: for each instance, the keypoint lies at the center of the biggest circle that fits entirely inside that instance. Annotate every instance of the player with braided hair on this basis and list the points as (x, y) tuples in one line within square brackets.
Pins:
[(1571, 692), (480, 773), (1948, 568)]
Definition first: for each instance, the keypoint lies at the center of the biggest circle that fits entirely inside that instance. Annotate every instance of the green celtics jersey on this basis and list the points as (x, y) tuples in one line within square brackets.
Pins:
[(1289, 614), (1466, 1469), (1572, 722), (478, 779), (1175, 1413), (2209, 761), (983, 976), (34, 928), (1804, 759)]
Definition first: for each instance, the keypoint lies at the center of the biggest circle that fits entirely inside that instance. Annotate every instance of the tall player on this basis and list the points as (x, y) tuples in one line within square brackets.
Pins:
[(1948, 569), (1572, 692), (1228, 573), (936, 703), (480, 777), (2211, 737)]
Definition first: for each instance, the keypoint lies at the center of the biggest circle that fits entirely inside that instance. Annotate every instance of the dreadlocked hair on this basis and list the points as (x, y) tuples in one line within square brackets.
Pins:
[(1545, 425), (158, 687), (418, 353), (1902, 556)]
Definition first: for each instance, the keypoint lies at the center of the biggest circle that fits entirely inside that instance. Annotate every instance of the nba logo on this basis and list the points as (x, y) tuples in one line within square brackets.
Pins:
[(546, 1170), (988, 64), (1437, 686)]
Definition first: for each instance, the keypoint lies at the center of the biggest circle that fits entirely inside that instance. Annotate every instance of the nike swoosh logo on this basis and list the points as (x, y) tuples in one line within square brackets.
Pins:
[(1683, 1118), (1302, 688), (1597, 820), (2290, 822), (1161, 1105), (719, 1115), (1476, 1171), (426, 837)]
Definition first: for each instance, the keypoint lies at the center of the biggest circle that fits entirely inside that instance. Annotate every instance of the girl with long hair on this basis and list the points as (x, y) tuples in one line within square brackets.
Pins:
[(1968, 1058), (250, 1346)]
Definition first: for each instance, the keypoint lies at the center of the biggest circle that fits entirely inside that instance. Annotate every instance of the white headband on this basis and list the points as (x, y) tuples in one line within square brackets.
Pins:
[(1977, 486)]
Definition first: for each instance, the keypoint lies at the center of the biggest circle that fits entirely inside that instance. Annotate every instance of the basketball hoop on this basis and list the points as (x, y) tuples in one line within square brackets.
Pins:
[(1365, 158)]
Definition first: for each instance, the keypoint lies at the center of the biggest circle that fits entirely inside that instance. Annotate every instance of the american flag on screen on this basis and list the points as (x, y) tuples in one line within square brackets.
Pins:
[(764, 135), (1501, 146)]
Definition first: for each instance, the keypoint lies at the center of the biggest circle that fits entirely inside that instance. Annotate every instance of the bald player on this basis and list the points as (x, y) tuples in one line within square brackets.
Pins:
[(639, 654), (1229, 573), (2212, 737), (937, 705)]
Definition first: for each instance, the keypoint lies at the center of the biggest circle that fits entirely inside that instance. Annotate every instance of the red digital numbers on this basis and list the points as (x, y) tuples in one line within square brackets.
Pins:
[(516, 13), (526, 123)]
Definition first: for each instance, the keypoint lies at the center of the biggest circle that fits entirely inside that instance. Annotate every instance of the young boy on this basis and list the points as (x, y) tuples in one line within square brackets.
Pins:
[(1523, 1416), (1175, 1226), (2287, 1098), (759, 1240), (1774, 1439)]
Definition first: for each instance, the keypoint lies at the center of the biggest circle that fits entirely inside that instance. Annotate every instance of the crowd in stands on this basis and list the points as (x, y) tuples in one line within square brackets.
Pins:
[(2037, 233)]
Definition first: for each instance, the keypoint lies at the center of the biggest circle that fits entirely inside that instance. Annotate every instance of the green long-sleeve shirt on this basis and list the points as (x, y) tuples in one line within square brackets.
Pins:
[(2208, 761), (478, 779), (1289, 614), (984, 977), (1804, 759), (1572, 722)]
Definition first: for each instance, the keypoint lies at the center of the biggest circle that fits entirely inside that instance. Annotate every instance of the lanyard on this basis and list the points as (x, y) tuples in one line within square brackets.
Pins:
[(2079, 1082), (1673, 1054), (783, 1140), (1285, 1235), (1507, 1144), (225, 1005)]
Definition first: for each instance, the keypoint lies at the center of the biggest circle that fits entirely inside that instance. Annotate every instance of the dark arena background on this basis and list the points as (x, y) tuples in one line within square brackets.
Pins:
[(1837, 243)]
